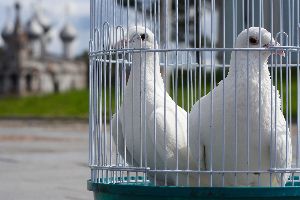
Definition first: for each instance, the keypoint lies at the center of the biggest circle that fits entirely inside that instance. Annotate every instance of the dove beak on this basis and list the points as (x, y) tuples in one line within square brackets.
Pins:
[(279, 52)]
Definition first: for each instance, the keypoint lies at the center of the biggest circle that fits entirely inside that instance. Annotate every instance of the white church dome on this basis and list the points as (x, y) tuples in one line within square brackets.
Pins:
[(7, 31), (68, 33), (44, 21), (34, 29)]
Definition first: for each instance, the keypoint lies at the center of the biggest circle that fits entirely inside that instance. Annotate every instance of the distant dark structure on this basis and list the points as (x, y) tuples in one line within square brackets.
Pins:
[(26, 67)]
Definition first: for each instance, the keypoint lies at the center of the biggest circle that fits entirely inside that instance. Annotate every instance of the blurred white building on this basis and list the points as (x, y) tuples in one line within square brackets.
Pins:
[(26, 66)]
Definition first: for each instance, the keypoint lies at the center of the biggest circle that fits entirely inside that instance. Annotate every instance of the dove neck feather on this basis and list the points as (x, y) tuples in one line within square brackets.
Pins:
[(253, 63), (143, 65)]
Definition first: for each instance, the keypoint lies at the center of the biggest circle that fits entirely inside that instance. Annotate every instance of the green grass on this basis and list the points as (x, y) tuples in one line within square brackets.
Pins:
[(69, 104), (75, 103)]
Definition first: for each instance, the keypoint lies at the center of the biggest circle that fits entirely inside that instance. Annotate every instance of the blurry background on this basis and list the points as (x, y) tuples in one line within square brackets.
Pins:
[(44, 76), (44, 99), (43, 56), (57, 12)]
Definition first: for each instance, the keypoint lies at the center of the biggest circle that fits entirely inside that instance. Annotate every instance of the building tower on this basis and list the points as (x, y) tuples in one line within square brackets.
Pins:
[(67, 35), (34, 33), (45, 23), (7, 28)]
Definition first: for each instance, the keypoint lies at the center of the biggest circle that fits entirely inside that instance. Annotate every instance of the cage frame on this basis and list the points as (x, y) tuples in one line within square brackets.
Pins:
[(104, 189)]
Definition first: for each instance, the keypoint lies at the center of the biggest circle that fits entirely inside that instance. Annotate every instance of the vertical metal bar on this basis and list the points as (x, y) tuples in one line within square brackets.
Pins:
[(292, 43), (243, 14), (187, 34), (154, 106), (166, 32), (275, 120), (176, 92), (91, 125), (142, 94), (298, 92), (289, 22), (113, 5), (98, 101), (223, 96), (123, 94), (93, 105), (96, 110), (199, 88), (151, 18), (212, 94), (92, 6), (292, 33), (144, 143), (159, 21), (272, 149), (91, 152), (213, 15), (124, 70), (133, 107), (235, 93), (191, 80), (281, 40), (252, 11), (287, 103), (248, 109), (290, 111), (107, 61), (155, 139), (121, 10), (205, 38), (110, 108), (288, 81), (105, 102), (259, 96), (195, 52)]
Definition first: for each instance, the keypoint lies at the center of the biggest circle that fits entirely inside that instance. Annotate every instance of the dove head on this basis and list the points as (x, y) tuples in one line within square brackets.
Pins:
[(140, 37), (257, 37), (137, 37), (254, 37)]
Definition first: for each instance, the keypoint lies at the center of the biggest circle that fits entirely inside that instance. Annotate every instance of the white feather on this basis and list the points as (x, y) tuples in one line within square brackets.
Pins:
[(147, 146), (214, 137)]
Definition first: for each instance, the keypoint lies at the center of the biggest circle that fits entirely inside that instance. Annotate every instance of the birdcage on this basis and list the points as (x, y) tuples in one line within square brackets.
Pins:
[(194, 99)]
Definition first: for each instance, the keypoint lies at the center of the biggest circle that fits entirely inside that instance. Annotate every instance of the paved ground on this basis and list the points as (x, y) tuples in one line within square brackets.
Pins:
[(43, 160)]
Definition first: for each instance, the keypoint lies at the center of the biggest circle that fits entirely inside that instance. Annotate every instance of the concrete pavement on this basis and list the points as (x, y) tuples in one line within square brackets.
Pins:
[(43, 160)]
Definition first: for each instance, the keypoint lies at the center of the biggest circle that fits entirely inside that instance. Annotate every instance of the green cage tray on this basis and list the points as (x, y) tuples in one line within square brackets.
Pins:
[(137, 190)]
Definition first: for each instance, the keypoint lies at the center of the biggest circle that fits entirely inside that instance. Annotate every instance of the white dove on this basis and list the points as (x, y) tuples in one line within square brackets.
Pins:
[(136, 126), (235, 153)]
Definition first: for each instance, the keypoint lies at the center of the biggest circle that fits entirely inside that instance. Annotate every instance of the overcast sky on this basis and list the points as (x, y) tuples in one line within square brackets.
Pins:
[(55, 11)]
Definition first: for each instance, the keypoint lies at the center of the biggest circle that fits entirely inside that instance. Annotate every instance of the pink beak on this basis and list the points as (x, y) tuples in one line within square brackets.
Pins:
[(279, 52)]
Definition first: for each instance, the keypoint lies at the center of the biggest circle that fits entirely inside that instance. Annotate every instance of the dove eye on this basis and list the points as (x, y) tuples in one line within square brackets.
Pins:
[(143, 36), (253, 40)]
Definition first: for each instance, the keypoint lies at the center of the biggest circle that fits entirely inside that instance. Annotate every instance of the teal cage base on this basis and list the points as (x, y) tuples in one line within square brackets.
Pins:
[(142, 191)]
